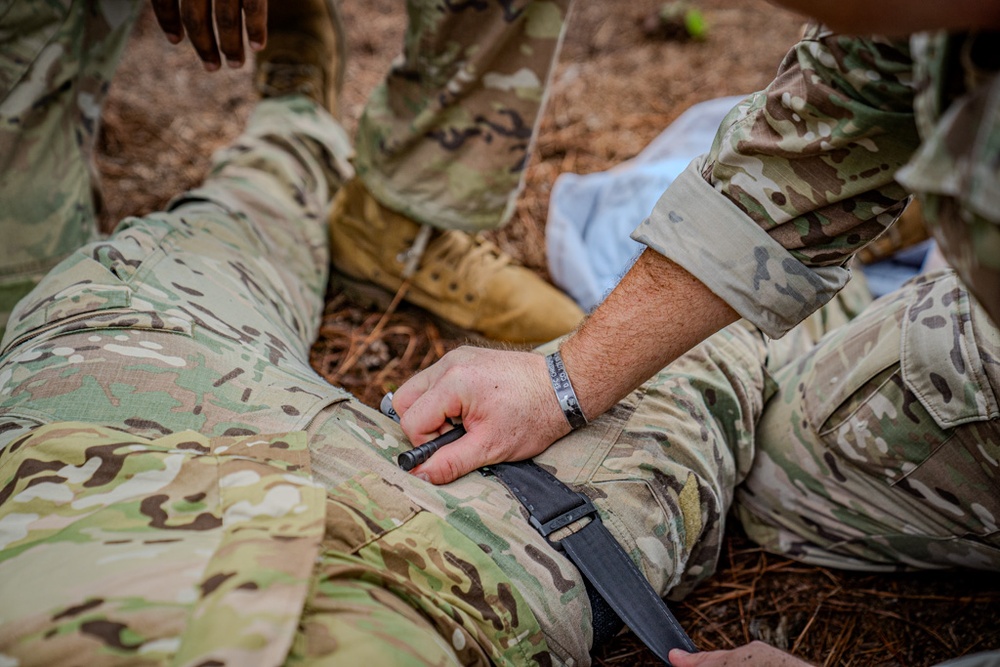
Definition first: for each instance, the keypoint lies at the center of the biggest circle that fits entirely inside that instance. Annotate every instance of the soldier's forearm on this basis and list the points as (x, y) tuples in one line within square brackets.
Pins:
[(657, 312)]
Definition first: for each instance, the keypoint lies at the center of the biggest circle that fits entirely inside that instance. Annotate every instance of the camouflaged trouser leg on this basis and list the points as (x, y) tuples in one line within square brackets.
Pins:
[(56, 60), (200, 317), (881, 449), (396, 585), (446, 137)]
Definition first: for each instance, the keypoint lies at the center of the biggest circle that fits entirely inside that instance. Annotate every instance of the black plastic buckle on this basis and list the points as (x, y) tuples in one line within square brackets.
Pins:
[(581, 511)]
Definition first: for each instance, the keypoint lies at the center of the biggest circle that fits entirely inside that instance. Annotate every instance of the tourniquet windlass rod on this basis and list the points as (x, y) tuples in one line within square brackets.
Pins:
[(409, 460)]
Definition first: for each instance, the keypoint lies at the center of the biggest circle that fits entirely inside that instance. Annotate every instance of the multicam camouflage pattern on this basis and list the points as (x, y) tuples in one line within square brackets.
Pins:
[(196, 550), (413, 585), (813, 161), (350, 441), (881, 448), (446, 138), (115, 548), (190, 548), (212, 295), (955, 172), (56, 61), (200, 319)]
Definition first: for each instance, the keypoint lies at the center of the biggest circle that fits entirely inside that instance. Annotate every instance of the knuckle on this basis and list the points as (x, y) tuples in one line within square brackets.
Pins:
[(454, 377), (406, 422), (465, 353), (452, 357), (452, 469)]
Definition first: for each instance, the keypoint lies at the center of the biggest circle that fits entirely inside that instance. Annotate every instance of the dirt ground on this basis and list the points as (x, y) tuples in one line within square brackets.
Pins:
[(615, 89)]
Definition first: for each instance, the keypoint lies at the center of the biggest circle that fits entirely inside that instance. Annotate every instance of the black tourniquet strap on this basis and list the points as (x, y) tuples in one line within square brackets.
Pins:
[(595, 552)]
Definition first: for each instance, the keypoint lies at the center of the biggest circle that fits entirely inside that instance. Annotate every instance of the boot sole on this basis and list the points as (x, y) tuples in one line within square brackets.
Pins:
[(373, 296)]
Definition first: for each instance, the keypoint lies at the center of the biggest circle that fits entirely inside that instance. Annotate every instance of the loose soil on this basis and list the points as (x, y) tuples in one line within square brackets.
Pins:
[(614, 90)]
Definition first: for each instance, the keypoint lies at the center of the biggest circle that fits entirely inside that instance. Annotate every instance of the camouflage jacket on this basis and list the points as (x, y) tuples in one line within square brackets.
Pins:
[(806, 172)]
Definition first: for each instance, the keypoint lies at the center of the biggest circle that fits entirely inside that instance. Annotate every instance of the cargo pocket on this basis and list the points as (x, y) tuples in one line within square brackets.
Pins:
[(943, 367), (362, 510), (45, 350), (856, 403), (904, 400), (91, 290)]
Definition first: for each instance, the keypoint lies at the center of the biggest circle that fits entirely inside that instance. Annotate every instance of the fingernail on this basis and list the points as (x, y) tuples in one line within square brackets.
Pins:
[(679, 651), (210, 67), (422, 476), (173, 38), (256, 46), (235, 64)]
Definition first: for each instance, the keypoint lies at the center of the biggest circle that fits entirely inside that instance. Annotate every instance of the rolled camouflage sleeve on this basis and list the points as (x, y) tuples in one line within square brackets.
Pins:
[(801, 176)]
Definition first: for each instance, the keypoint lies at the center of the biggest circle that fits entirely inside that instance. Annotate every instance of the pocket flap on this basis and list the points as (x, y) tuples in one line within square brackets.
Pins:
[(86, 298), (940, 359)]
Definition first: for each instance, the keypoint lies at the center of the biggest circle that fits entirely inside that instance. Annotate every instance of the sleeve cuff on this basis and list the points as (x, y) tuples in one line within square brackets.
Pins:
[(701, 230)]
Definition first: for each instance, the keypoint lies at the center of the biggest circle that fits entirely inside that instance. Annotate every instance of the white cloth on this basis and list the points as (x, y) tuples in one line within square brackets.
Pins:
[(591, 216)]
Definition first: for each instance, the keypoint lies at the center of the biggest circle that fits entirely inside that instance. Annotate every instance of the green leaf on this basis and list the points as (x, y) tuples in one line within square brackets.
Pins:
[(694, 23)]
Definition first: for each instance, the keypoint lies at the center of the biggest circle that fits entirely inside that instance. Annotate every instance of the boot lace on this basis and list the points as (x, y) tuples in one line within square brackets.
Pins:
[(475, 260)]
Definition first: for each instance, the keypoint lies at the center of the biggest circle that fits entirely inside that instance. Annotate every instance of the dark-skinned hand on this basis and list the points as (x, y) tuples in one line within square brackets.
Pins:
[(215, 27)]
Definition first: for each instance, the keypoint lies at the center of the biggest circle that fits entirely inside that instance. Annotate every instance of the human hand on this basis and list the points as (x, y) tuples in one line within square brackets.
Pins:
[(196, 16), (750, 655), (504, 400)]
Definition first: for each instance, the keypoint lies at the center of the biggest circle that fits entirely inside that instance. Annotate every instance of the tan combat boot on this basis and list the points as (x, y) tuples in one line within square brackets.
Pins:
[(305, 53), (464, 280)]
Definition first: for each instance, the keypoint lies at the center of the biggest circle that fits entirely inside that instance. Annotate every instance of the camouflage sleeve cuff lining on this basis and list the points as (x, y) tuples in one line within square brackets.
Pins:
[(700, 229)]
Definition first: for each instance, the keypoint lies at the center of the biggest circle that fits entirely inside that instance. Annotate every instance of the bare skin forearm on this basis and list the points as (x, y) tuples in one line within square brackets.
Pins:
[(657, 312)]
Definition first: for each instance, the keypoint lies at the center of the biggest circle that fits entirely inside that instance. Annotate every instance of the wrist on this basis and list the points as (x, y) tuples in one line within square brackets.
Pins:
[(565, 394)]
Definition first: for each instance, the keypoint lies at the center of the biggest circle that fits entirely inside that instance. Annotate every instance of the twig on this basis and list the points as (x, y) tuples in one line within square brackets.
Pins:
[(357, 351)]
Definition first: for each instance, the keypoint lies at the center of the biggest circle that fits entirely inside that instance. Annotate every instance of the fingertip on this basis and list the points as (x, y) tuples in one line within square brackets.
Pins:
[(210, 66), (403, 397), (433, 476), (427, 472), (256, 46), (173, 38), (449, 463), (678, 656), (233, 63)]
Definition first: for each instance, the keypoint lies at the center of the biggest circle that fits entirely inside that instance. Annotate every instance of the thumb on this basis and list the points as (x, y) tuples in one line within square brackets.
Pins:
[(681, 658), (453, 461)]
